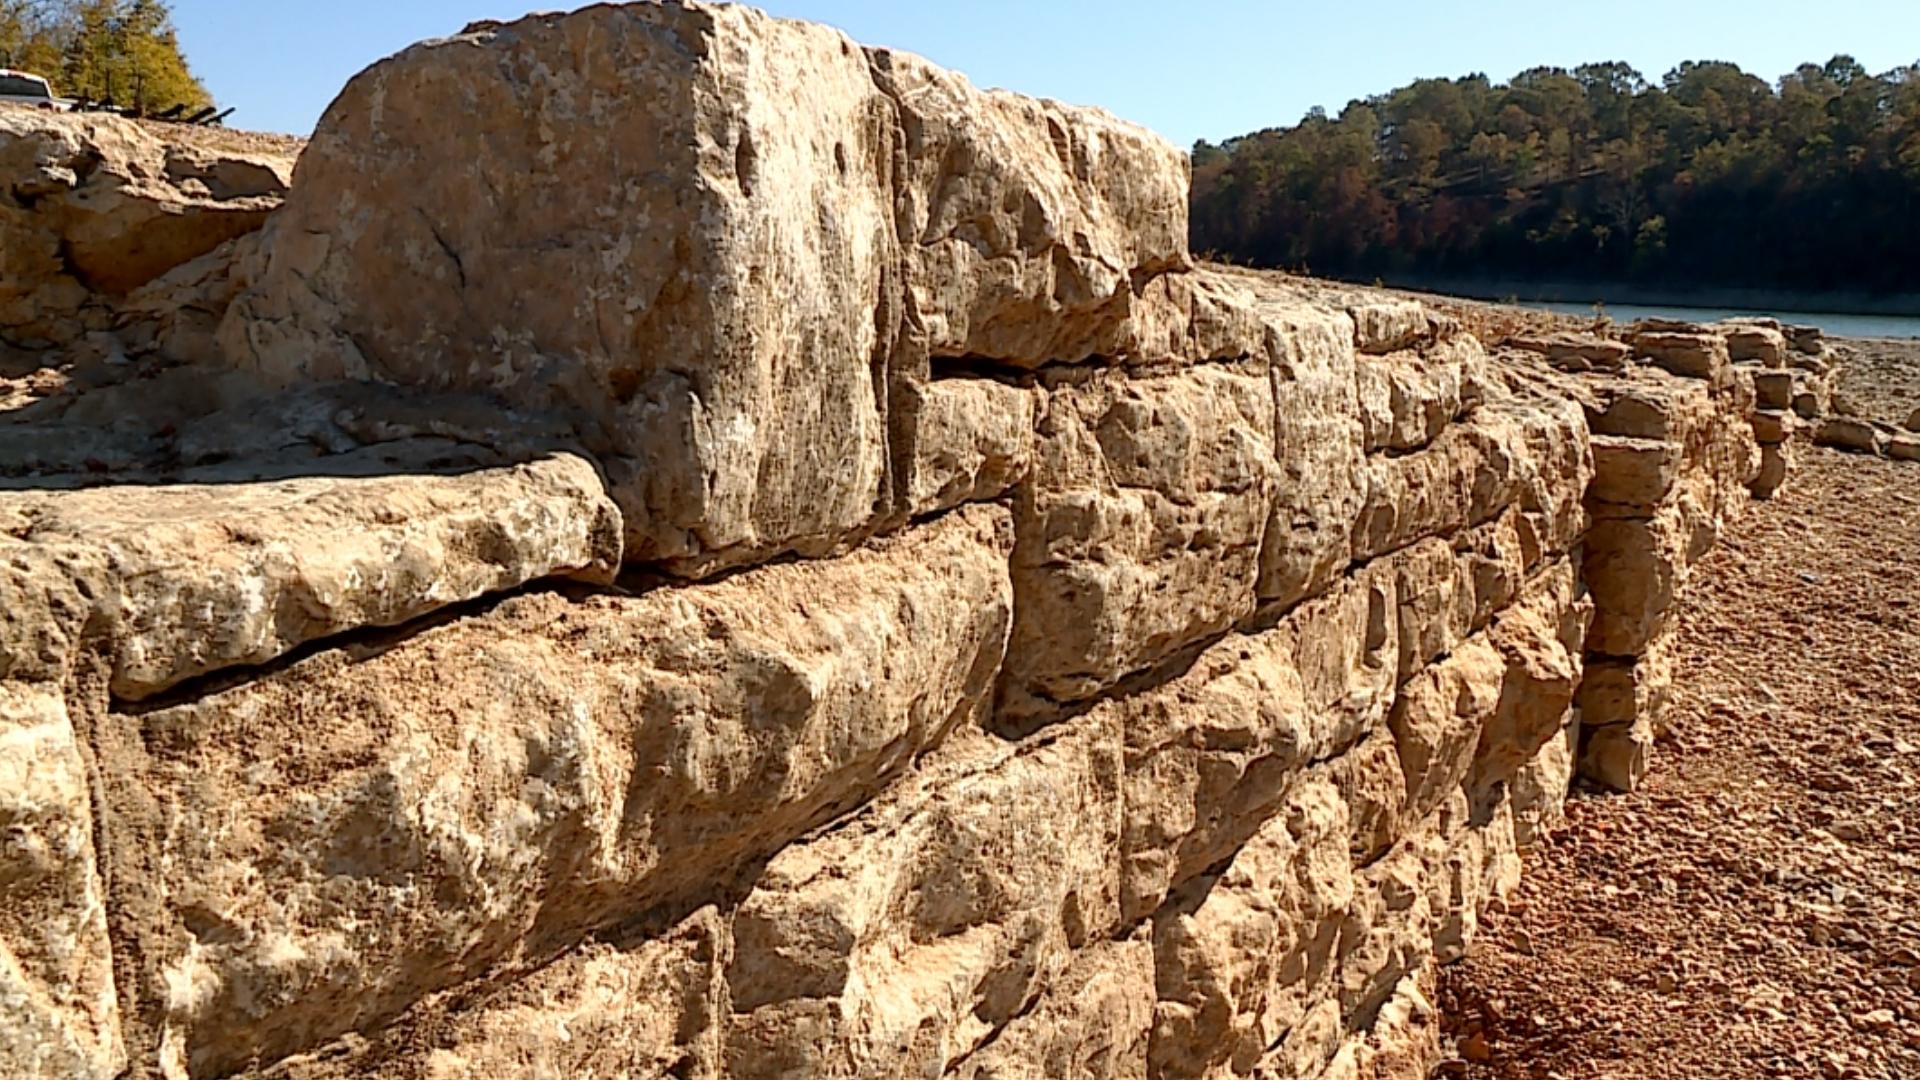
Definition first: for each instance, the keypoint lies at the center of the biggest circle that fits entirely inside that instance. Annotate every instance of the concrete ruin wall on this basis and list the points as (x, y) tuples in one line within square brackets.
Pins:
[(748, 556)]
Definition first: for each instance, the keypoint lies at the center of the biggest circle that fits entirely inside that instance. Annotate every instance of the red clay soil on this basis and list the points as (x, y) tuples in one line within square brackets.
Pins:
[(1755, 911)]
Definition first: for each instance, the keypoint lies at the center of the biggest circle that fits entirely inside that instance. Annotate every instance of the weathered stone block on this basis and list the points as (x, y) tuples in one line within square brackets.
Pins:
[(1407, 399), (1539, 789), (1765, 345), (973, 440), (191, 579), (899, 942), (1617, 757), (1632, 475), (799, 219), (1512, 451), (1025, 225), (1772, 426), (1211, 754), (1635, 568), (1139, 531), (102, 207), (61, 1017), (375, 824), (1619, 691), (1850, 434), (1321, 446), (1774, 389), (1246, 960), (1775, 463), (1093, 1023), (652, 1007), (1690, 355)]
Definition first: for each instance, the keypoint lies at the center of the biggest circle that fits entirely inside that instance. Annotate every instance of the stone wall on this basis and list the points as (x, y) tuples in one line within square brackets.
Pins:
[(748, 556)]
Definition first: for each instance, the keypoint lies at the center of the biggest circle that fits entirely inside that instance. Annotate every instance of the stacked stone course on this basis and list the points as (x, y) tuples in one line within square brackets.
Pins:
[(752, 557)]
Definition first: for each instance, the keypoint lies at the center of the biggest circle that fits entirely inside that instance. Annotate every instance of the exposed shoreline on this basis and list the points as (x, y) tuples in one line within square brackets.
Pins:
[(1782, 302)]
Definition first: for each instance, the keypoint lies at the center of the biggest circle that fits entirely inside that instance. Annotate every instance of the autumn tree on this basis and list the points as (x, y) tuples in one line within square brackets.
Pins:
[(124, 51), (128, 52)]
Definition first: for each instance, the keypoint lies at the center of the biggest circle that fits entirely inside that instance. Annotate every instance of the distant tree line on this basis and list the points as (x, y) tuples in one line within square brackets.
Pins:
[(125, 51), (1710, 177)]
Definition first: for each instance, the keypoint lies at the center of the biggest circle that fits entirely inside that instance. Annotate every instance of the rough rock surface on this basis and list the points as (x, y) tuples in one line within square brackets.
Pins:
[(749, 557), (95, 207), (782, 264)]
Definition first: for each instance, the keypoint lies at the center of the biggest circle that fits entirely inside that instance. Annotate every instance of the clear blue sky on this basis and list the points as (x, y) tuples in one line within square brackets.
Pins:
[(1194, 69)]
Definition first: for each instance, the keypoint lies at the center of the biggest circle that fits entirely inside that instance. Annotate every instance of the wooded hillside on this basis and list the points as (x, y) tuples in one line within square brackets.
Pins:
[(123, 51), (1710, 176)]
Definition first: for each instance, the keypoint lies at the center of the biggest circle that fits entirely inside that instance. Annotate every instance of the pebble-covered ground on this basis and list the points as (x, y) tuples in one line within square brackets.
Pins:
[(1755, 910)]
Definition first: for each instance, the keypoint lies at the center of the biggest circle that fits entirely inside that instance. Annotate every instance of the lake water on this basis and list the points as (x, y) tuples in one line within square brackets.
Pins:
[(1834, 325)]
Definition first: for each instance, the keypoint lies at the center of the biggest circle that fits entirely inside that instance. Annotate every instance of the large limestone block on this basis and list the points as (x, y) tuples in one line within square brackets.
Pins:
[(722, 288), (1139, 531), (309, 854), (1635, 568), (1025, 225), (1572, 351), (1320, 440), (1852, 435), (98, 206), (655, 1007), (1647, 403), (1773, 426), (1508, 453), (1627, 691), (1542, 638), (1540, 787), (1776, 461), (1093, 1023), (1765, 345), (1212, 313), (192, 579), (1247, 957), (59, 1013), (1692, 355), (1487, 709), (899, 942), (1408, 398), (1632, 476), (673, 223), (973, 440), (1213, 753), (1450, 588), (1617, 757), (1774, 389)]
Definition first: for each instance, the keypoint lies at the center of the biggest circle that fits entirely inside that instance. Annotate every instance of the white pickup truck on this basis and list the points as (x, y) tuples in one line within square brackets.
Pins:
[(21, 88)]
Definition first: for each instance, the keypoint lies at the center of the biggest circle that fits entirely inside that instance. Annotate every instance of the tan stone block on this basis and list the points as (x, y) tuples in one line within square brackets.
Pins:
[(1690, 355), (1632, 474), (191, 579), (1094, 1023), (1252, 956), (973, 440), (1140, 530), (654, 1007), (1617, 757), (1850, 434), (1212, 754), (375, 824), (1321, 446), (899, 942), (61, 1019)]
